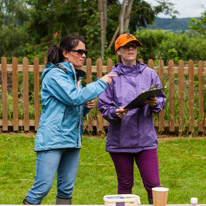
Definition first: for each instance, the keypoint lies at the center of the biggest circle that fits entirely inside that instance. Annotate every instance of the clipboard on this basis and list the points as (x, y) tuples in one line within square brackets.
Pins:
[(139, 100)]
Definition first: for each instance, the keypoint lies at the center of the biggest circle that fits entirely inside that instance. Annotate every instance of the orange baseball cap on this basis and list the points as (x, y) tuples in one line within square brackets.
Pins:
[(123, 39)]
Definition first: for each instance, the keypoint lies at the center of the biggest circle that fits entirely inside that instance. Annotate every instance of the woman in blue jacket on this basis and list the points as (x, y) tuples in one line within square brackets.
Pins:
[(131, 134), (59, 136)]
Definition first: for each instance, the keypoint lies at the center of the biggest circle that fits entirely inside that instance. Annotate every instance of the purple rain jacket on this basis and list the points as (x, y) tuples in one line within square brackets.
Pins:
[(135, 132)]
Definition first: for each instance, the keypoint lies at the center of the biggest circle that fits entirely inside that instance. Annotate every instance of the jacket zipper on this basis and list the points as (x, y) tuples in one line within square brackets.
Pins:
[(79, 128)]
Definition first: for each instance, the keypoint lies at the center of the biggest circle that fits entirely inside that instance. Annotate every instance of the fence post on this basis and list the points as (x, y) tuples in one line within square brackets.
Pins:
[(141, 60), (109, 65), (181, 95), (191, 96), (4, 94), (171, 97), (201, 97), (36, 93), (89, 80), (99, 115), (151, 63), (26, 93), (161, 114), (15, 93)]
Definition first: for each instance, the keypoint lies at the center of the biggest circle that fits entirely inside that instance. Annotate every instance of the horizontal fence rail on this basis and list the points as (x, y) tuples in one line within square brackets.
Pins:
[(184, 111)]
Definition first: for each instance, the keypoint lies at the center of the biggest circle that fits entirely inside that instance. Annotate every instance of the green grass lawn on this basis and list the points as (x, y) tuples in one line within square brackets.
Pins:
[(182, 165)]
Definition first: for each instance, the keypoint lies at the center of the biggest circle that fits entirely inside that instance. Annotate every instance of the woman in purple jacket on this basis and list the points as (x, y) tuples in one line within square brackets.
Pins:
[(131, 134)]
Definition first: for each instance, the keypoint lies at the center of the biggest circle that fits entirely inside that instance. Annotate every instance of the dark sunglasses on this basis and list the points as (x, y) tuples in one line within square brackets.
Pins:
[(127, 46), (80, 51)]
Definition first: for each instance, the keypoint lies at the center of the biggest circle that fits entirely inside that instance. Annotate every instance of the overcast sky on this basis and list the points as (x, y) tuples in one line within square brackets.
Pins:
[(186, 8)]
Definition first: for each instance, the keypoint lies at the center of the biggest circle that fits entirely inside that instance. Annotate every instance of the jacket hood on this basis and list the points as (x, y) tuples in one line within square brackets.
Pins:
[(50, 66), (120, 69)]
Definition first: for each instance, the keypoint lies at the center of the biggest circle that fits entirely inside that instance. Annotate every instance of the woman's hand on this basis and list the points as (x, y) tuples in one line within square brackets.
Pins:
[(90, 104), (152, 101), (107, 78), (121, 112)]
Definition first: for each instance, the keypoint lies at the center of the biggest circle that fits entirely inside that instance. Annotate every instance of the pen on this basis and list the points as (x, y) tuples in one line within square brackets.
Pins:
[(115, 104), (117, 107)]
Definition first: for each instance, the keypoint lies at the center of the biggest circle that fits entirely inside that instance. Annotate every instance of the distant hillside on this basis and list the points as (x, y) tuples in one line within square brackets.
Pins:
[(175, 25)]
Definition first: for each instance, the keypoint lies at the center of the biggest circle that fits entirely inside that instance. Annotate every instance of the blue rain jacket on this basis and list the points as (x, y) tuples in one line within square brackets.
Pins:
[(135, 132), (63, 99)]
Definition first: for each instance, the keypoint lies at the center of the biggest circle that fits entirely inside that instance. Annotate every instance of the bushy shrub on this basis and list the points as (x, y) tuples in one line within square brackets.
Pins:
[(158, 44)]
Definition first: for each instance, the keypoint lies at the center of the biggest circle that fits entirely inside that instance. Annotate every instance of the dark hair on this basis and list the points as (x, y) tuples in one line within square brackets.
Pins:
[(119, 60), (67, 43)]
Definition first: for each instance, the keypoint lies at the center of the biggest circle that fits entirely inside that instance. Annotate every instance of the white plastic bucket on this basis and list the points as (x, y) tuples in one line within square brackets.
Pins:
[(122, 200)]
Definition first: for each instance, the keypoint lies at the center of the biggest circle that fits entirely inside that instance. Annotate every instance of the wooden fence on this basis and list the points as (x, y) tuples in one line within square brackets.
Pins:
[(180, 79)]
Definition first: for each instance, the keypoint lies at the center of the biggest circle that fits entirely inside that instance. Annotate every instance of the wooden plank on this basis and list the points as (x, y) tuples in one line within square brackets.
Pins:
[(191, 96), (161, 113), (181, 96), (141, 60), (109, 65), (99, 115), (99, 67), (21, 68), (94, 123), (21, 123), (26, 93), (201, 98), (104, 69), (151, 63), (89, 80), (15, 94), (89, 70), (36, 93), (4, 94), (171, 97)]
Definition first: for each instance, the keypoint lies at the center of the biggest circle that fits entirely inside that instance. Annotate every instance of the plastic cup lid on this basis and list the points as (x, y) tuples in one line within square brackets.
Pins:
[(194, 200)]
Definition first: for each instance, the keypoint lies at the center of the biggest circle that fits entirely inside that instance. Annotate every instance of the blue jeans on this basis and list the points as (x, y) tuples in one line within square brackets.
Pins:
[(65, 163)]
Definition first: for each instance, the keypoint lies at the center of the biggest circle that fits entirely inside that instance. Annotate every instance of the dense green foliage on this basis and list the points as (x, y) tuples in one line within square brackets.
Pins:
[(28, 27), (190, 45), (181, 164), (159, 44), (199, 25)]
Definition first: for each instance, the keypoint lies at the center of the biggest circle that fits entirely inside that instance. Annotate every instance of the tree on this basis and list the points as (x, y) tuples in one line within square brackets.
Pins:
[(102, 9), (13, 12), (13, 25), (199, 25), (136, 14), (124, 15), (96, 20)]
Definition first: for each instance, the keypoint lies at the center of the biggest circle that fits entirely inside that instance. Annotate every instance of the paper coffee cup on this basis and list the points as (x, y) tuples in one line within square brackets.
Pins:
[(160, 195)]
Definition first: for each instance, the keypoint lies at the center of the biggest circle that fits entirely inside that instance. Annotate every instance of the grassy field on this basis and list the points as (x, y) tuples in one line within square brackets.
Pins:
[(182, 165)]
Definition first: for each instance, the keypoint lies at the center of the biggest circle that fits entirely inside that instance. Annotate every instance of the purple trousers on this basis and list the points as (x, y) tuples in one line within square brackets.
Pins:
[(146, 161)]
